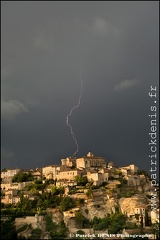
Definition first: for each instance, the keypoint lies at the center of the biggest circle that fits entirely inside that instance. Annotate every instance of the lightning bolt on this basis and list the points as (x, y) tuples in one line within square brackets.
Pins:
[(76, 106)]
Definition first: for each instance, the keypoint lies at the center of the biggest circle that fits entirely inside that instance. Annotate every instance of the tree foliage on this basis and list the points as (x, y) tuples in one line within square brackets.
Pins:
[(56, 231), (57, 190), (79, 219), (35, 233), (8, 230), (114, 223), (66, 204), (22, 177), (81, 180)]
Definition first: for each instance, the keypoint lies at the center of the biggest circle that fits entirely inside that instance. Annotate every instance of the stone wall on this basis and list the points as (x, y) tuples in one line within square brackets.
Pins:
[(33, 220)]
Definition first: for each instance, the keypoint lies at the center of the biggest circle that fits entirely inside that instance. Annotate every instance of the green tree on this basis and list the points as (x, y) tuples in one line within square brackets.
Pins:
[(66, 204), (114, 228), (39, 203), (35, 233), (89, 193), (26, 206), (38, 181), (8, 230), (114, 223), (23, 177), (46, 203), (54, 190), (79, 201), (81, 180), (57, 190), (79, 219), (57, 231), (61, 191)]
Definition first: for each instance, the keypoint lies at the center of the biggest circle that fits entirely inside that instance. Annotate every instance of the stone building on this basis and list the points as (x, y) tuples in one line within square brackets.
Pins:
[(135, 180), (10, 197), (140, 211), (18, 186), (131, 169), (69, 174), (97, 177), (9, 173), (66, 183), (69, 162), (37, 173), (90, 161), (50, 172)]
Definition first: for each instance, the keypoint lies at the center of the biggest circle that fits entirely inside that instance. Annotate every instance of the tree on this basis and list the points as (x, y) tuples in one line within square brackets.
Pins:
[(35, 233), (38, 181), (26, 206), (79, 201), (66, 204), (57, 191), (89, 193), (114, 223), (79, 219), (114, 228), (81, 180), (8, 230), (61, 191), (54, 190), (39, 203), (57, 231), (22, 177)]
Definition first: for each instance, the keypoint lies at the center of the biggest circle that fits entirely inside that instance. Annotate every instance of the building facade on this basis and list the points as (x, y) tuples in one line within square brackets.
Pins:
[(90, 161), (9, 173), (50, 172), (69, 174)]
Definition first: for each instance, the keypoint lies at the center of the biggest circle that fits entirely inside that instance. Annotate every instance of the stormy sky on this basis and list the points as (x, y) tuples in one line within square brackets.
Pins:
[(44, 46)]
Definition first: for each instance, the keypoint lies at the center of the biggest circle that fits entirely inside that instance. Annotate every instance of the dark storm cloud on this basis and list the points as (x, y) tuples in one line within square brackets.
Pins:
[(44, 45)]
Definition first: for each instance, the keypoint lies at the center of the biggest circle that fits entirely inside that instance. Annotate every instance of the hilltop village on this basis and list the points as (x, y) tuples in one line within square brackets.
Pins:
[(85, 197)]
